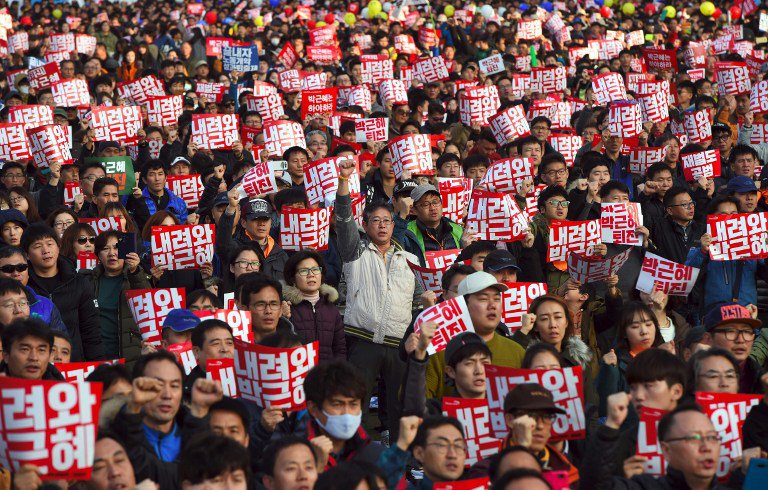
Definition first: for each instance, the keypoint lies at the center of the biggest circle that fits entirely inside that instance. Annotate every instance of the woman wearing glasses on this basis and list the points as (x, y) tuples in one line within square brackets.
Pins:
[(79, 237), (313, 311), (22, 200), (60, 219)]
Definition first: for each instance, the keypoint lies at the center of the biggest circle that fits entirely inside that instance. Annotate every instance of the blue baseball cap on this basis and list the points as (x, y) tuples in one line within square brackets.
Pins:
[(741, 183), (729, 313), (180, 320)]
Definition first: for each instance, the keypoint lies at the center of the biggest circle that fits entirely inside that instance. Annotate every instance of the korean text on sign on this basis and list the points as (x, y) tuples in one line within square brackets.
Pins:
[(452, 318), (411, 152), (673, 278), (738, 236), (566, 386), (149, 307), (304, 228), (508, 175), (321, 179), (49, 144), (619, 222), (116, 124), (215, 131), (223, 371), (593, 269), (701, 164), (509, 125), (474, 416), (516, 300), (14, 145), (437, 262), (281, 135), (648, 442), (495, 216), (183, 246), (455, 194), (239, 320), (49, 424), (572, 236), (371, 129), (273, 377)]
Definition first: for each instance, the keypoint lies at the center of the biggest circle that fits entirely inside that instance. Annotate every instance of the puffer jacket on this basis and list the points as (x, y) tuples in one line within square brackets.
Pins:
[(380, 293), (129, 339), (43, 309), (320, 322)]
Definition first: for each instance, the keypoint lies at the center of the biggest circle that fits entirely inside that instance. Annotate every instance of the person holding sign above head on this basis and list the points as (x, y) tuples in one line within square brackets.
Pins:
[(689, 444), (482, 293), (27, 348)]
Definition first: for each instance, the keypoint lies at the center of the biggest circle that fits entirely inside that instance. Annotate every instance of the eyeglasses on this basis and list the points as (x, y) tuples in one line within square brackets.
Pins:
[(11, 268), (17, 199), (63, 224), (379, 221), (14, 176), (538, 416), (430, 204), (89, 178), (697, 439), (732, 334), (687, 205), (10, 305), (263, 305), (314, 271), (442, 447), (403, 113), (721, 136), (558, 173), (558, 204), (244, 264), (86, 239)]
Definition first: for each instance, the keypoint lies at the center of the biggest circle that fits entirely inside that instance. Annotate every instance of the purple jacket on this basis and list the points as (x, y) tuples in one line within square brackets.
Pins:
[(321, 322)]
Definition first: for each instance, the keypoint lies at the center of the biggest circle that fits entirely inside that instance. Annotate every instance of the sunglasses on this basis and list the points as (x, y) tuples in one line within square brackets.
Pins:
[(86, 239), (11, 268)]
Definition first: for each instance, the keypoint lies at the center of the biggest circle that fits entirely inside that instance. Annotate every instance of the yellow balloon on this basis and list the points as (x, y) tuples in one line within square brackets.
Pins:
[(258, 21), (349, 19), (57, 13), (608, 3), (320, 24), (449, 10), (374, 7), (671, 12), (383, 15), (707, 8), (628, 8)]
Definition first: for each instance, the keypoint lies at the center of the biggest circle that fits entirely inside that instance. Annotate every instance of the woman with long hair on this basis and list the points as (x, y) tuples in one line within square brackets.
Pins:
[(22, 200), (60, 219)]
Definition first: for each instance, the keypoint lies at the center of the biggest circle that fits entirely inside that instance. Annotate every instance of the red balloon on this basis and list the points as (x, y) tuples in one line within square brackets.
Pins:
[(329, 19), (717, 13), (650, 8), (311, 24), (735, 12), (354, 8), (605, 11), (211, 18), (288, 11)]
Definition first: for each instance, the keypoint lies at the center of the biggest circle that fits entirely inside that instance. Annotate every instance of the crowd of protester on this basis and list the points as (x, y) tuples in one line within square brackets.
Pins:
[(374, 402)]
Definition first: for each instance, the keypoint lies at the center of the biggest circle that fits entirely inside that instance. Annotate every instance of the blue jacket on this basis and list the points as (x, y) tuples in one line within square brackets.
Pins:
[(167, 446), (176, 205), (44, 310), (720, 276)]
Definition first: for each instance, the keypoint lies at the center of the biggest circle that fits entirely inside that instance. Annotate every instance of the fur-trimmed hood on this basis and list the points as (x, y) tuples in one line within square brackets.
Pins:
[(294, 296), (575, 351)]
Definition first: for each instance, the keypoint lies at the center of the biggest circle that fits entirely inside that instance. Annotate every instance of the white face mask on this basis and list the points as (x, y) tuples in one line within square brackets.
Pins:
[(187, 87), (24, 89), (275, 41)]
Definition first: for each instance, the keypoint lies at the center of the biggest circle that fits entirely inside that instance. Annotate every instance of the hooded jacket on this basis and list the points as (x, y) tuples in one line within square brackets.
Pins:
[(320, 322), (274, 263), (75, 300)]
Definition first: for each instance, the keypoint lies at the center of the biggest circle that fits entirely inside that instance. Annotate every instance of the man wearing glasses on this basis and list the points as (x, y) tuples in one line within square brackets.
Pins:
[(731, 327), (430, 231), (674, 235), (441, 449), (688, 440)]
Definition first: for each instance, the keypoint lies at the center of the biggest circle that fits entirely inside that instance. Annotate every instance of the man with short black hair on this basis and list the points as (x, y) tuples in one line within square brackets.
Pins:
[(297, 157), (214, 461), (440, 447), (155, 197), (230, 418), (111, 467), (211, 339), (15, 302), (262, 296), (289, 463), (27, 351)]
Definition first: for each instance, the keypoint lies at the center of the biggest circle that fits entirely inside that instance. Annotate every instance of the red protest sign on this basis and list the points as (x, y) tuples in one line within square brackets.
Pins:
[(323, 36), (548, 80), (437, 262), (321, 180), (660, 273), (495, 216), (320, 101), (609, 87), (529, 30), (121, 123), (633, 79), (239, 320), (697, 126), (49, 424), (211, 92), (531, 201), (165, 111), (566, 386), (76, 372), (509, 125), (71, 189), (360, 95), (758, 97), (393, 91), (32, 116), (187, 187), (701, 164), (728, 412), (430, 70), (14, 145), (288, 56), (323, 55), (474, 416), (43, 76), (223, 371), (452, 318), (455, 194), (304, 228), (404, 44), (516, 301), (185, 355), (738, 236), (215, 131), (85, 44), (18, 43), (567, 145), (625, 118), (86, 261), (594, 269), (281, 135), (49, 144), (183, 246), (273, 377), (138, 91), (655, 107), (572, 236), (648, 442), (196, 9), (373, 72), (149, 307), (642, 158), (619, 220), (269, 104), (70, 93), (478, 104), (213, 45), (411, 155), (100, 225), (258, 181), (508, 175), (732, 78), (660, 59), (474, 484)]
